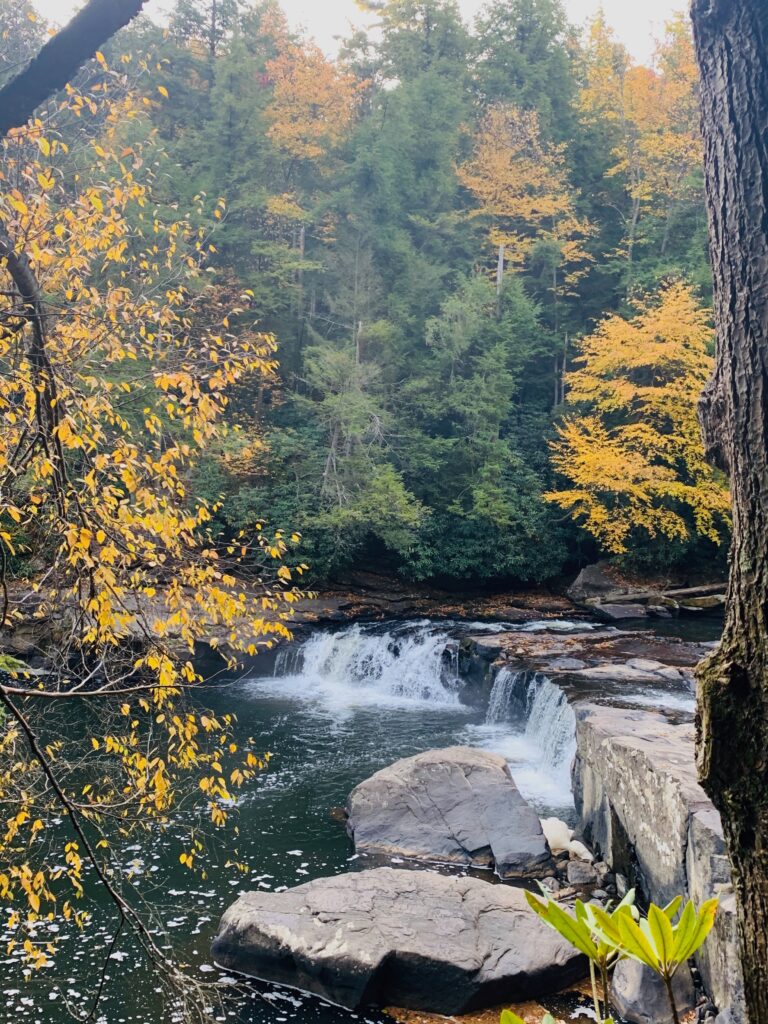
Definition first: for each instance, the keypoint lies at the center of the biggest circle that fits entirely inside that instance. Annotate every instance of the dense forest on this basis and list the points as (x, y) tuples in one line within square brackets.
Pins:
[(482, 254)]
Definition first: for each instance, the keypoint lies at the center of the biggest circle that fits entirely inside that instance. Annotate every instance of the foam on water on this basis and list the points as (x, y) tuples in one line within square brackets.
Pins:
[(413, 663), (662, 700), (530, 722)]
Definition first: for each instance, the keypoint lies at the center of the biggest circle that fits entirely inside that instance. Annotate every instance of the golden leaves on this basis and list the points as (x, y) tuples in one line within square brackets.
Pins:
[(135, 384), (313, 102), (522, 185), (653, 112), (634, 457)]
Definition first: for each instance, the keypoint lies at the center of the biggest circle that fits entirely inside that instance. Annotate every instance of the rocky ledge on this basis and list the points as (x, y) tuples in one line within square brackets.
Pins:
[(454, 806), (611, 596), (588, 662), (642, 808), (389, 937)]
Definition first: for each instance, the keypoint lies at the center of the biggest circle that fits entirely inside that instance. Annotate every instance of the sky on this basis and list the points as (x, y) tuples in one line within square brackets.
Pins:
[(637, 22)]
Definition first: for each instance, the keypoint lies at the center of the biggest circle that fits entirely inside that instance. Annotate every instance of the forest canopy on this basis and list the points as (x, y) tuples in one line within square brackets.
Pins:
[(436, 252)]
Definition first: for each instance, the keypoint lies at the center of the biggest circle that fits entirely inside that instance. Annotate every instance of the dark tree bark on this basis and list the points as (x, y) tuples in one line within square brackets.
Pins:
[(59, 59), (732, 48)]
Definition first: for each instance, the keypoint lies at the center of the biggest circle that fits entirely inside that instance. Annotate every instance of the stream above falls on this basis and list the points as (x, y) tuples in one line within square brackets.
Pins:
[(333, 708)]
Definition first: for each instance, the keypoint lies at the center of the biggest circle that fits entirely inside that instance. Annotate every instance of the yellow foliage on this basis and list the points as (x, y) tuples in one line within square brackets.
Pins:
[(313, 102), (634, 458), (655, 111), (111, 385), (521, 183)]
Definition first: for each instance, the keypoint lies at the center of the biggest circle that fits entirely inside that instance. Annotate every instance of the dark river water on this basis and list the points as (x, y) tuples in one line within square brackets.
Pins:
[(332, 710)]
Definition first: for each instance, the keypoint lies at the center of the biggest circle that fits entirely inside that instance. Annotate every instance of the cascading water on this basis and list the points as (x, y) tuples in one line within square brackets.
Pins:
[(413, 662), (411, 669), (530, 722)]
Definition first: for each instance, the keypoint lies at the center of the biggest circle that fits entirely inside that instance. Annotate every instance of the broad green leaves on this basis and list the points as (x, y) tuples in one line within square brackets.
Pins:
[(656, 941), (607, 936)]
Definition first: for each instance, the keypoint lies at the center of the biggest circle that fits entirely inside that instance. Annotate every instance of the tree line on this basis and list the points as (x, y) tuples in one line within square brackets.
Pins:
[(439, 227)]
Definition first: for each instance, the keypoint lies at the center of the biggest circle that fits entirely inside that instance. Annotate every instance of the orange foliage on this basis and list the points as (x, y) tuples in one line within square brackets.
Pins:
[(654, 108), (313, 102)]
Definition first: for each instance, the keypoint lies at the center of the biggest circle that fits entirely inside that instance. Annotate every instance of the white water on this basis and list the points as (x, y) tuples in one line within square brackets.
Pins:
[(530, 722), (409, 664), (413, 666)]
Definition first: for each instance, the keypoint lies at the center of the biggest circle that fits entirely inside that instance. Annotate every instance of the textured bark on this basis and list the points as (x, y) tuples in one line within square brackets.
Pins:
[(732, 47), (61, 57)]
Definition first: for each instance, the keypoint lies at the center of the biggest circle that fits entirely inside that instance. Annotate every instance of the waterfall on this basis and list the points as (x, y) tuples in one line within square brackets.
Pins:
[(530, 721), (407, 662), (551, 727)]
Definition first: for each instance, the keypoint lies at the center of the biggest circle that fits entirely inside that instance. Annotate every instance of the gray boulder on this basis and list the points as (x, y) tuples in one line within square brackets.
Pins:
[(581, 874), (594, 582), (455, 806), (620, 612), (641, 997), (640, 802), (386, 937)]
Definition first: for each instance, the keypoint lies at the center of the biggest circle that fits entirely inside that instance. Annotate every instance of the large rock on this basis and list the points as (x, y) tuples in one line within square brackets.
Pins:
[(456, 806), (642, 807), (641, 997), (387, 937), (595, 582)]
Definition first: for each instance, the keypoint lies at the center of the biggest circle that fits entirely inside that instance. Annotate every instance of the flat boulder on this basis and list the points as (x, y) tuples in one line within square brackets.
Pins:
[(619, 612), (453, 806), (386, 937)]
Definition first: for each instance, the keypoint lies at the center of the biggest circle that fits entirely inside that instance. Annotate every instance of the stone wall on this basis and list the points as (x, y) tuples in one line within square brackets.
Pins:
[(641, 806)]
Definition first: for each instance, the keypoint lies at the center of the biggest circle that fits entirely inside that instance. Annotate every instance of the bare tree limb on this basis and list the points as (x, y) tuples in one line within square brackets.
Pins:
[(61, 58)]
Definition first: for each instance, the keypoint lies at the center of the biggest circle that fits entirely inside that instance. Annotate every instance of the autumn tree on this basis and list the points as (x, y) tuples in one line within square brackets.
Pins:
[(731, 43), (631, 450), (114, 379), (649, 114), (312, 104), (522, 186)]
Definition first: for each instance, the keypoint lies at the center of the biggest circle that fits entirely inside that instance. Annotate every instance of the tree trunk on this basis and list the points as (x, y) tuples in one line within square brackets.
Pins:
[(732, 48)]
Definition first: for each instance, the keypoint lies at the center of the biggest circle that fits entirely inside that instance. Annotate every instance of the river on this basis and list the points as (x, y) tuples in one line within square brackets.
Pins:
[(333, 708)]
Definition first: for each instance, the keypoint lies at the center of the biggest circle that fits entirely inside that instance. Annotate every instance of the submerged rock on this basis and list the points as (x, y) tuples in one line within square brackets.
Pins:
[(456, 806), (641, 997), (413, 939)]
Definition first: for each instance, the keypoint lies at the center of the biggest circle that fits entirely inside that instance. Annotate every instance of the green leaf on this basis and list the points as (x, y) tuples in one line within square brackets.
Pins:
[(507, 1017), (578, 934), (704, 923), (635, 944), (661, 932), (672, 908), (684, 932)]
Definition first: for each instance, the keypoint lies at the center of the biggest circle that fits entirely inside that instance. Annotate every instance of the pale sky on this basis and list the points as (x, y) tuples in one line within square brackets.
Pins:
[(637, 22)]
